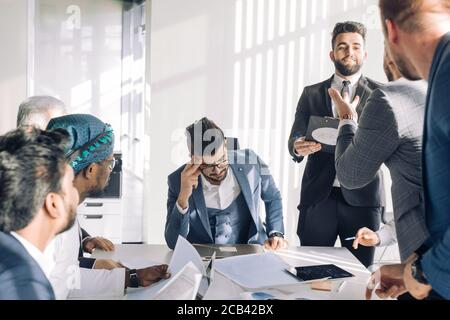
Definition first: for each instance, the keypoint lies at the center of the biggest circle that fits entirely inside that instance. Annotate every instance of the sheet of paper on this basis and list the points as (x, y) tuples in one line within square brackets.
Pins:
[(253, 271), (183, 253), (183, 286)]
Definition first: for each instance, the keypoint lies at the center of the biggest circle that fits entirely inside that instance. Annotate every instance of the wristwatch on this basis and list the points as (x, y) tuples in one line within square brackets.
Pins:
[(276, 234), (134, 280), (416, 270)]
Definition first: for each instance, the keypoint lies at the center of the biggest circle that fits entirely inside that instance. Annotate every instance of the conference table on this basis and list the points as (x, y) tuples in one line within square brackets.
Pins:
[(222, 288)]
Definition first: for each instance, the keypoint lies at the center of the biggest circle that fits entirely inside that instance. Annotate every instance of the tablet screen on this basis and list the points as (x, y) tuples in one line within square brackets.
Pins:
[(324, 271)]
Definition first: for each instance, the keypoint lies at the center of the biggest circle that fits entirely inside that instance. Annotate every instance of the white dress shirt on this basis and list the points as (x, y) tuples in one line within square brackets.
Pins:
[(337, 83), (70, 281), (35, 253), (218, 196)]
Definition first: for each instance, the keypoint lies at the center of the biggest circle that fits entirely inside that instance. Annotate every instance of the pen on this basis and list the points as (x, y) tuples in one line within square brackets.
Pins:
[(341, 286), (350, 238)]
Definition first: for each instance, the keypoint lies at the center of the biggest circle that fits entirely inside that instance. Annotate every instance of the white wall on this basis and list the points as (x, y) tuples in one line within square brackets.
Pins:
[(78, 54), (243, 63), (13, 60)]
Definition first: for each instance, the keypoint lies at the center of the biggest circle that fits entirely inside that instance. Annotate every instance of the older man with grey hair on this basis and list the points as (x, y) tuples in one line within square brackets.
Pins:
[(38, 110)]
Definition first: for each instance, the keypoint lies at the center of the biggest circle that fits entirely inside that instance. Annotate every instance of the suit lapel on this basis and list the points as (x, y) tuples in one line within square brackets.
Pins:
[(239, 173), (327, 96), (362, 91), (199, 200)]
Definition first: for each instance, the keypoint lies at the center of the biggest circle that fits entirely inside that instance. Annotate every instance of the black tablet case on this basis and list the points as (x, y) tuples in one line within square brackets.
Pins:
[(316, 122)]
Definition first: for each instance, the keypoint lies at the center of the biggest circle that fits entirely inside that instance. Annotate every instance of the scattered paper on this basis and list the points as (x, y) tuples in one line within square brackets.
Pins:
[(183, 254), (183, 286), (253, 271)]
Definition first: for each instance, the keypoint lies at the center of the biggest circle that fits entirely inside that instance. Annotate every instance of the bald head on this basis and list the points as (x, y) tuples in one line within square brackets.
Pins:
[(37, 111)]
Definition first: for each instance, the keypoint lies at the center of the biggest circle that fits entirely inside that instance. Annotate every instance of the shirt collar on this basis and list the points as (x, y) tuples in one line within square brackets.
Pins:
[(353, 79), (35, 253)]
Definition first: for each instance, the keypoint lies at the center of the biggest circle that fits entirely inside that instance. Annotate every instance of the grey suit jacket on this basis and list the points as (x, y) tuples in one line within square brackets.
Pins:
[(390, 131)]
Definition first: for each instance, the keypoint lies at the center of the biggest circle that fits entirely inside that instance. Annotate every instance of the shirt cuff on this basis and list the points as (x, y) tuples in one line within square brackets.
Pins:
[(386, 235), (118, 278), (181, 210), (344, 122), (293, 149)]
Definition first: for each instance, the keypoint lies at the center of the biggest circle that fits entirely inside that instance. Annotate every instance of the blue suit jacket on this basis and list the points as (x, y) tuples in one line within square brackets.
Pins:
[(436, 170), (21, 278), (255, 182)]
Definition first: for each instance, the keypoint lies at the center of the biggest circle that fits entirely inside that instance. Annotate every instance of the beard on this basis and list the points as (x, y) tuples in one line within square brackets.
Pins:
[(216, 178), (100, 185), (347, 70), (388, 73), (406, 68), (70, 220), (96, 191)]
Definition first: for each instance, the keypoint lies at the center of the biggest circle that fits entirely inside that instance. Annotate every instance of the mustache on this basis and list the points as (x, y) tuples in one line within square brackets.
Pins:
[(218, 174), (348, 58)]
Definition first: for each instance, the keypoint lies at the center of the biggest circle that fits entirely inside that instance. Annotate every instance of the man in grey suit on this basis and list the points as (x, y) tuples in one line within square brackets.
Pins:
[(417, 33), (389, 131)]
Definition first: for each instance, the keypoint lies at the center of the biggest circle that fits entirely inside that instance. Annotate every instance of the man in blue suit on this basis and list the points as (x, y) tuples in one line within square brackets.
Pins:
[(417, 34), (215, 197), (37, 201)]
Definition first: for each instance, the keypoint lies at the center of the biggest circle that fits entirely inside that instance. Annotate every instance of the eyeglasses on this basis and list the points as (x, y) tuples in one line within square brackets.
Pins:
[(221, 164), (111, 163)]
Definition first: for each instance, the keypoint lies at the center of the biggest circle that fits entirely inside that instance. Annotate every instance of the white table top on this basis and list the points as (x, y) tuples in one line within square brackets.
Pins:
[(223, 288)]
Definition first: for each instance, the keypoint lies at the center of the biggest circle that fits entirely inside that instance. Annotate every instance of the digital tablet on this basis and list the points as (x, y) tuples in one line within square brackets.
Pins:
[(318, 272)]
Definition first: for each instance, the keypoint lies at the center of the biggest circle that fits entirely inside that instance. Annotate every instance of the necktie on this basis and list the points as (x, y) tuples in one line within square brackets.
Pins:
[(345, 88)]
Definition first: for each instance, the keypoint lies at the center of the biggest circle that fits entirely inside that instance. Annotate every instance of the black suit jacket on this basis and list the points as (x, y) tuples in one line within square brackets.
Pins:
[(87, 263), (21, 278), (320, 171)]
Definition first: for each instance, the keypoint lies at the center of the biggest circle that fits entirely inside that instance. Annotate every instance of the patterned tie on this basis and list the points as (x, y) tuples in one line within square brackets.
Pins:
[(345, 88)]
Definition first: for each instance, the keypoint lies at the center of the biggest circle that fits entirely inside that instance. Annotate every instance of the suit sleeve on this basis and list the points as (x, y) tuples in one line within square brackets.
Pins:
[(19, 284), (176, 222), (436, 267), (272, 200), (99, 284), (300, 124), (361, 152), (84, 234)]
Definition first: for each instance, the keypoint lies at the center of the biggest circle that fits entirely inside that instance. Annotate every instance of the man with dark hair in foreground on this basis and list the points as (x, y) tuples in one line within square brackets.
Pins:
[(37, 201)]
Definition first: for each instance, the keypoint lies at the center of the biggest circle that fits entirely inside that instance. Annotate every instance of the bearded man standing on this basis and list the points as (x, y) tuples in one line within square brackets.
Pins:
[(328, 210)]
